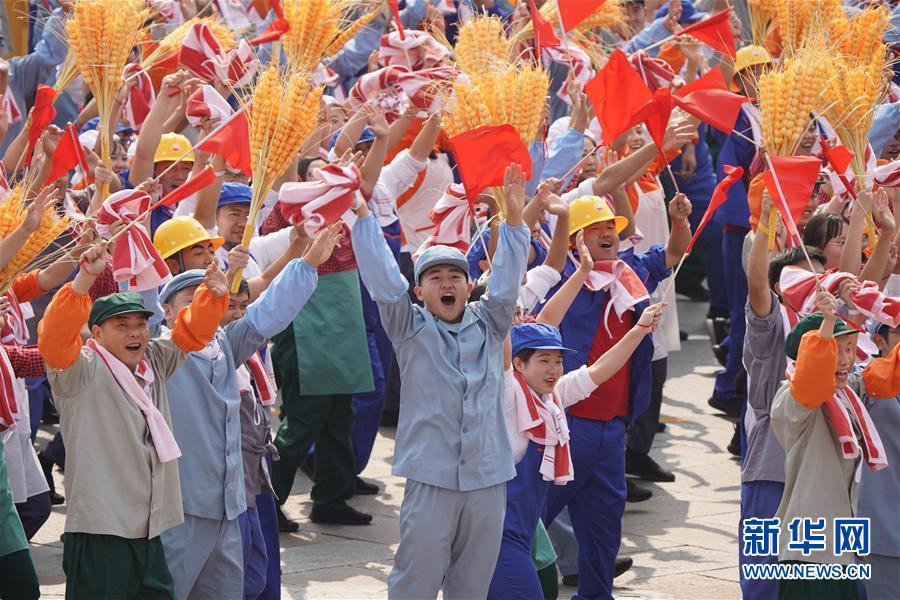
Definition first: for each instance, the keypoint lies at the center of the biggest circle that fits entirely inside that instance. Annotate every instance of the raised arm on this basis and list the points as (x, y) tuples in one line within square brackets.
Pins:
[(851, 255), (877, 264), (196, 323), (556, 307), (11, 244), (167, 102), (559, 243), (759, 296), (680, 237), (813, 382)]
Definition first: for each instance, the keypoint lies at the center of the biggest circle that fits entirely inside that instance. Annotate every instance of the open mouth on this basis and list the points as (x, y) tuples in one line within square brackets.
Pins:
[(448, 300), (135, 347), (606, 245), (841, 374)]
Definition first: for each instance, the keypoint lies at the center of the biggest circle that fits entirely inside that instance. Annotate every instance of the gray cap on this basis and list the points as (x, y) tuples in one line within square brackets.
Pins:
[(441, 255), (191, 278)]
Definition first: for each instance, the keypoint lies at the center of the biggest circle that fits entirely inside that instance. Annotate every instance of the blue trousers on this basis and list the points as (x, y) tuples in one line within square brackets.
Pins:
[(759, 500), (255, 556), (515, 575), (268, 524), (596, 501), (710, 241), (736, 285)]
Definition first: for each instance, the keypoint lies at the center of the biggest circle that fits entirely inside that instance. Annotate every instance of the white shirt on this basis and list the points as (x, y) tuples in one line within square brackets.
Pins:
[(264, 250), (538, 282)]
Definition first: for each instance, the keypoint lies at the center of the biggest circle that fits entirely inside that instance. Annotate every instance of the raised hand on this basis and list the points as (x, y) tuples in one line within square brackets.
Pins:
[(846, 289), (215, 280), (677, 135), (238, 258), (514, 194), (826, 304), (38, 207), (323, 244), (882, 213), (586, 261), (651, 317), (679, 207), (93, 262)]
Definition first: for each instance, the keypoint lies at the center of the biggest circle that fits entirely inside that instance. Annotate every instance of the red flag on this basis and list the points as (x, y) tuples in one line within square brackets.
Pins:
[(396, 10), (232, 143), (656, 116), (573, 12), (838, 157), (483, 154), (715, 32), (42, 114), (193, 185), (68, 155), (277, 28), (617, 94), (277, 9), (796, 177), (544, 36), (720, 194), (709, 100)]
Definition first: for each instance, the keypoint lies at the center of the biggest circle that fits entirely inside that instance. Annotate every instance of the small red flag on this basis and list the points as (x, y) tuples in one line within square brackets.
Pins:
[(395, 9), (42, 114), (68, 155), (617, 94), (482, 155), (277, 9), (573, 12), (715, 32), (544, 36), (709, 100), (796, 177), (277, 28), (193, 185), (720, 194), (839, 157), (656, 116), (232, 143)]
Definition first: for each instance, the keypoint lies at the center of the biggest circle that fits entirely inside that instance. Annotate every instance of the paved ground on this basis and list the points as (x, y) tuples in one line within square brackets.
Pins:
[(683, 540)]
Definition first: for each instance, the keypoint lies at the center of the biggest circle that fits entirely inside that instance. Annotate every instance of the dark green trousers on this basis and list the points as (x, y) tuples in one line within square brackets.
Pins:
[(18, 579), (324, 420), (818, 589), (107, 566)]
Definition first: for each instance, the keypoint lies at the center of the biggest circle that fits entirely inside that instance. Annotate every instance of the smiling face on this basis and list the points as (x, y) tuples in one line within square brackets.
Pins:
[(589, 166), (179, 300), (542, 370), (231, 220), (174, 177), (237, 307), (125, 336), (444, 290), (891, 150), (198, 256), (808, 140), (846, 358), (602, 240), (834, 247)]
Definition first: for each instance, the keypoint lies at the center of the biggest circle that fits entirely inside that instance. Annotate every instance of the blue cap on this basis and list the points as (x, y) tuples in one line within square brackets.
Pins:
[(689, 12), (440, 255), (235, 193), (191, 278), (365, 137), (477, 254), (536, 336), (95, 123)]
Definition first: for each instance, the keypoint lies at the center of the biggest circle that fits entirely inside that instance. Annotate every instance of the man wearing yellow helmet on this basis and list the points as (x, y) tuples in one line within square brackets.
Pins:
[(603, 310), (185, 244), (737, 150)]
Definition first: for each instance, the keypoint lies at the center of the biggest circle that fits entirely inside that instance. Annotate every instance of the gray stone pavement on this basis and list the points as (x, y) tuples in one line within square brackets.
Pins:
[(683, 540)]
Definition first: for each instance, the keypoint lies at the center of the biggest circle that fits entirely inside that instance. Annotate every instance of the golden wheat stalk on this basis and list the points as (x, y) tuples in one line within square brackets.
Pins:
[(319, 28), (172, 42), (13, 210)]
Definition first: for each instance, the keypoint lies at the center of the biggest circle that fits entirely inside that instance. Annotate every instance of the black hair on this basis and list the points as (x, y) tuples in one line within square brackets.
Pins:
[(303, 166), (244, 288), (525, 354), (822, 228), (791, 257), (477, 292)]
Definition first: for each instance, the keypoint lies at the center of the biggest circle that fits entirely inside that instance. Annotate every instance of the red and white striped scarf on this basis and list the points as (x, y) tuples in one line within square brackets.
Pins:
[(577, 60), (202, 54), (134, 259), (845, 408), (415, 87), (452, 218), (9, 407), (543, 421), (15, 328), (333, 190), (619, 281), (886, 176), (265, 387), (13, 112), (163, 441), (207, 103), (140, 98), (655, 72), (415, 50)]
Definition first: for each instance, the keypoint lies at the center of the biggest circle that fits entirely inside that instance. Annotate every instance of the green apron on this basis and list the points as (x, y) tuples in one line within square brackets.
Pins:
[(12, 536)]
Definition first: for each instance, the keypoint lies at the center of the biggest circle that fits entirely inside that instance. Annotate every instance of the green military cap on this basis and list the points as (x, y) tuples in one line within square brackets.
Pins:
[(117, 304), (812, 323)]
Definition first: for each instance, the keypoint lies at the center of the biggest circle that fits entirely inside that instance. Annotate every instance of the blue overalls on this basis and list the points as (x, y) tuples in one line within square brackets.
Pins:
[(596, 497)]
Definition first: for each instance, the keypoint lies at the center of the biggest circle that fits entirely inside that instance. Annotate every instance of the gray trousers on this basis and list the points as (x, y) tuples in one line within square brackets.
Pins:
[(885, 581), (448, 538), (206, 558)]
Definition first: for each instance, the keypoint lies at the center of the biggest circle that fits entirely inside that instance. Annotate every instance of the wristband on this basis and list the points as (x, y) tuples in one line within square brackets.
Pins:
[(644, 326)]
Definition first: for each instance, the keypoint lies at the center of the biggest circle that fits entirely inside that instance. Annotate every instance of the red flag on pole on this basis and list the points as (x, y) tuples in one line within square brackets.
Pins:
[(720, 194), (796, 177), (42, 114), (709, 100), (68, 155), (617, 94), (482, 155), (232, 143), (656, 116), (193, 185), (838, 157), (544, 36), (715, 32), (573, 12)]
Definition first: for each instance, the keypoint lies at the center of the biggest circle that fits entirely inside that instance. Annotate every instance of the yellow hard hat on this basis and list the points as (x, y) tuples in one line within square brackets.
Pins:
[(172, 147), (588, 210), (179, 233), (749, 56)]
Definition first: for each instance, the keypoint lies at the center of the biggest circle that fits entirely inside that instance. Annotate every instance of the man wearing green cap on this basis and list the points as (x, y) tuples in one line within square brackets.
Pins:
[(826, 432), (114, 416)]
